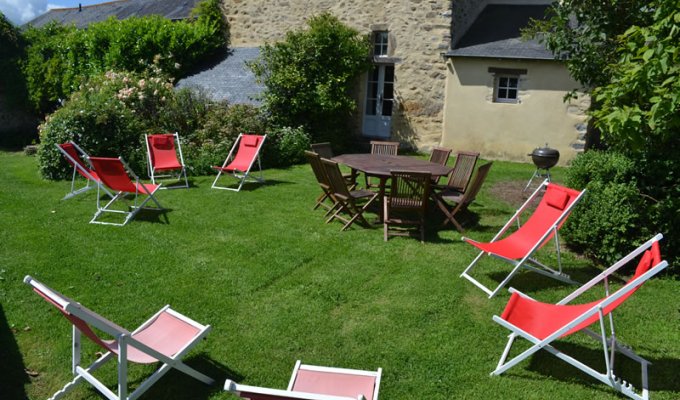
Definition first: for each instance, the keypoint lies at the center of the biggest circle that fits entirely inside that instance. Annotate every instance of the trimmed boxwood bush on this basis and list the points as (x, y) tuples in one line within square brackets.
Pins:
[(609, 221)]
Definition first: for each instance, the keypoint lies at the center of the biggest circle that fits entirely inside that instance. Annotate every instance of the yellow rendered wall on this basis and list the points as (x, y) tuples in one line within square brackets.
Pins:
[(472, 121)]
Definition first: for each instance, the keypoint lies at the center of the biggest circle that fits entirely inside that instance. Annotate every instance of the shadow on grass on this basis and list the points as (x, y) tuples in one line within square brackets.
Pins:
[(662, 371), (178, 385), (249, 186), (12, 369)]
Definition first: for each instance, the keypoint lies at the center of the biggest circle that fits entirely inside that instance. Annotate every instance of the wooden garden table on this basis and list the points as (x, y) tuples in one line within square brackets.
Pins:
[(381, 166)]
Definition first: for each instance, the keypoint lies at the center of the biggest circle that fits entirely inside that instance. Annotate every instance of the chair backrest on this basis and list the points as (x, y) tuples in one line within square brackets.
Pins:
[(113, 173), (476, 185), (335, 381), (335, 179), (162, 149), (73, 156), (80, 316), (386, 148), (324, 150), (462, 170), (555, 202), (440, 155), (248, 150), (318, 168), (409, 190)]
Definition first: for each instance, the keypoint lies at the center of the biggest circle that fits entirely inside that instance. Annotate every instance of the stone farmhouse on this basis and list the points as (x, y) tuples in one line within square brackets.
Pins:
[(445, 73)]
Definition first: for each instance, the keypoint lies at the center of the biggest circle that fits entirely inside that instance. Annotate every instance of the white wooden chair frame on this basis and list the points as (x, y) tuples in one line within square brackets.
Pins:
[(124, 339), (609, 344), (129, 215), (289, 393), (76, 169), (182, 171), (241, 176), (525, 262)]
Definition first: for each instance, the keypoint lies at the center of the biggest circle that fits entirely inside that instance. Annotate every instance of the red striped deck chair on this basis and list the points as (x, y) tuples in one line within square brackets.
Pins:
[(165, 159), (113, 173), (164, 338), (518, 247), (543, 323), (310, 382), (74, 155), (240, 161)]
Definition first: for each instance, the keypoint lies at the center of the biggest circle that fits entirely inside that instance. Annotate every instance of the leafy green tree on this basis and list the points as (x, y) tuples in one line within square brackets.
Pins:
[(640, 105), (11, 52), (309, 77), (584, 34)]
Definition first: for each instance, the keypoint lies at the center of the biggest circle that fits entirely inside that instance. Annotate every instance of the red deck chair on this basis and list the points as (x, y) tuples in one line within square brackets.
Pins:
[(164, 156), (542, 323), (113, 173), (312, 382), (166, 337), (241, 162), (519, 246), (74, 155)]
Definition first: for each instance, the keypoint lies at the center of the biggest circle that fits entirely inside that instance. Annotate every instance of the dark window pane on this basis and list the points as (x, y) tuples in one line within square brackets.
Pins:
[(502, 93), (375, 74), (503, 82), (512, 82), (373, 90), (389, 73), (370, 107), (388, 91), (512, 93), (387, 108)]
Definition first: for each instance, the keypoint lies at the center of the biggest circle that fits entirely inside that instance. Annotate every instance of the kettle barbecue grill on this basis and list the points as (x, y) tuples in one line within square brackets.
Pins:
[(543, 158)]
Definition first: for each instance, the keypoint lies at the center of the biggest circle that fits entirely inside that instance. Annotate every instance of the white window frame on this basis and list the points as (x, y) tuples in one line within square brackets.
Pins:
[(381, 40), (498, 88)]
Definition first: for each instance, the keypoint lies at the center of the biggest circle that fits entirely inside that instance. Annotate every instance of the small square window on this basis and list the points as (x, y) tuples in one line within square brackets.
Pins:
[(380, 43), (506, 89)]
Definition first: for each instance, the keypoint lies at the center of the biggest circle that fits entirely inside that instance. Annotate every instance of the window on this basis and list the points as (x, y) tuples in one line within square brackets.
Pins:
[(506, 88), (380, 43), (506, 84)]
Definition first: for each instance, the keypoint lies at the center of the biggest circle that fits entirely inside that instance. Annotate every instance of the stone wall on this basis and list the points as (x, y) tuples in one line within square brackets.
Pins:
[(420, 31)]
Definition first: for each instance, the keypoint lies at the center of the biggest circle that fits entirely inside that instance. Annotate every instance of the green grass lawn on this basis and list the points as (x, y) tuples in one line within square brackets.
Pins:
[(277, 285)]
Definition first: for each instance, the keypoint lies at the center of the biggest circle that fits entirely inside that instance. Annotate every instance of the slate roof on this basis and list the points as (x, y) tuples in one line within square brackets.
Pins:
[(229, 78), (496, 33), (121, 9)]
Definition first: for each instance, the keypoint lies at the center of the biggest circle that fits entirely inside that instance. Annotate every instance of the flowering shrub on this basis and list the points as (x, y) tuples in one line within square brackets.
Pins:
[(110, 113)]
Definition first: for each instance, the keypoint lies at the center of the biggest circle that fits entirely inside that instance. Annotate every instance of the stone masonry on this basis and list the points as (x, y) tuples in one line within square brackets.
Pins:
[(420, 31)]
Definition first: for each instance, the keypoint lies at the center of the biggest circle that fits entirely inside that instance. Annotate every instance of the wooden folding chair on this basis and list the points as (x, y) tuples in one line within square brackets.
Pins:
[(114, 174), (443, 195), (324, 150), (166, 337), (322, 179), (346, 199), (542, 324), (462, 171), (240, 161), (406, 204), (311, 382), (75, 155), (439, 155), (164, 155), (384, 148), (518, 247)]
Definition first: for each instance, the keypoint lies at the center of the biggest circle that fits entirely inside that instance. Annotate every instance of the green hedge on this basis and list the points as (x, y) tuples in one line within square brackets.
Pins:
[(59, 57)]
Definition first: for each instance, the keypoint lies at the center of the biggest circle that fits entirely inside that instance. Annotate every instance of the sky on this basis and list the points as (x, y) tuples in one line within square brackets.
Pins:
[(21, 11)]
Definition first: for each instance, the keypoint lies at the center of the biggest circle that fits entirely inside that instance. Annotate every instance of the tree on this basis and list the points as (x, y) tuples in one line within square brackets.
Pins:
[(640, 105), (309, 75), (584, 34)]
